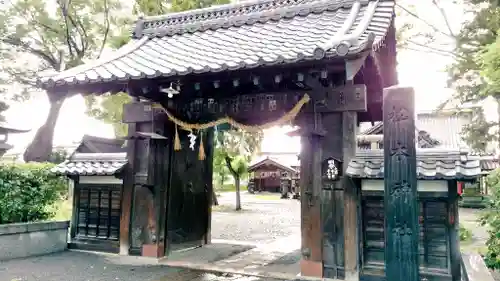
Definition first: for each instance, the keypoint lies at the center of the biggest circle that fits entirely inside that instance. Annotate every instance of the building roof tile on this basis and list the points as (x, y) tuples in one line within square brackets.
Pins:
[(92, 164), (270, 161), (237, 36), (432, 164), (442, 130)]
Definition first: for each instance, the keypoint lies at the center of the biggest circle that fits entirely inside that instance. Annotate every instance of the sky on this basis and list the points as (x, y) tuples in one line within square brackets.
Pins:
[(423, 71)]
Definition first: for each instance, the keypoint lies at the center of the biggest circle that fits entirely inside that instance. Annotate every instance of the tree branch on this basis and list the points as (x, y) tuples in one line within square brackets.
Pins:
[(228, 164), (425, 22), (445, 17), (427, 51), (15, 42), (83, 35), (434, 49), (64, 13), (107, 24)]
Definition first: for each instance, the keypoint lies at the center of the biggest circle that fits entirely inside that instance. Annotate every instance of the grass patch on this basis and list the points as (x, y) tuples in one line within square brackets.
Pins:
[(229, 188), (62, 210), (227, 209), (267, 196), (465, 234), (473, 248)]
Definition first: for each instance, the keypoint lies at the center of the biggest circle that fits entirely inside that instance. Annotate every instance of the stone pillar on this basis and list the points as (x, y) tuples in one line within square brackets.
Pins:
[(400, 185)]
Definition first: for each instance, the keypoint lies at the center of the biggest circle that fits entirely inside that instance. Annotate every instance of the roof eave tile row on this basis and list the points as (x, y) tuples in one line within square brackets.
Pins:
[(92, 164), (314, 33), (432, 164), (239, 14)]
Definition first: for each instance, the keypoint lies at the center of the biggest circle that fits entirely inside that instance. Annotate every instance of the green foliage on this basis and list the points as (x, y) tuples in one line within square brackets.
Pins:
[(474, 74), (109, 108), (39, 31), (228, 188), (477, 133), (491, 218), (235, 148), (27, 191), (39, 36), (465, 234), (220, 171), (472, 190), (473, 50), (58, 156), (490, 59)]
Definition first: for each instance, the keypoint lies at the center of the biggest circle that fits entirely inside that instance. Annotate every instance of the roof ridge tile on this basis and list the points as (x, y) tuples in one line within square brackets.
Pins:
[(229, 15)]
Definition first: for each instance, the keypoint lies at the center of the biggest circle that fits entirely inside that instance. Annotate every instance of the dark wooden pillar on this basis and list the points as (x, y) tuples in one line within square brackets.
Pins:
[(127, 192), (208, 176), (75, 193), (453, 219), (142, 222), (400, 181), (332, 199), (310, 187), (351, 201)]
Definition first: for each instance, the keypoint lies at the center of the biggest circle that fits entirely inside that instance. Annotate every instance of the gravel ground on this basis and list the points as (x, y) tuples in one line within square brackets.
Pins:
[(468, 218), (261, 221), (80, 266)]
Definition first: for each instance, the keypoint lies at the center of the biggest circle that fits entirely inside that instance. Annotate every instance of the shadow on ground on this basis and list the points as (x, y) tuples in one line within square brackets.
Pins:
[(89, 266)]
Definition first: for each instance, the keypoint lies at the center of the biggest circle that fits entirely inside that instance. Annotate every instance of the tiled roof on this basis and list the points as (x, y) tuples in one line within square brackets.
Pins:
[(438, 129), (431, 164), (290, 159), (236, 36), (446, 127), (270, 161), (443, 130), (92, 164), (424, 140), (93, 144), (489, 162), (376, 129)]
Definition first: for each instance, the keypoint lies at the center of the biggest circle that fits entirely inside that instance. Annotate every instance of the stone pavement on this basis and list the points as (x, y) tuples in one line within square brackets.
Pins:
[(259, 229), (262, 221), (469, 219), (279, 259), (83, 266), (269, 229)]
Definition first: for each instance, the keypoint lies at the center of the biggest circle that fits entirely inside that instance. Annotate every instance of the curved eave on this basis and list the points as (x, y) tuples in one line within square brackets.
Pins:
[(100, 85), (312, 34), (14, 131), (459, 177)]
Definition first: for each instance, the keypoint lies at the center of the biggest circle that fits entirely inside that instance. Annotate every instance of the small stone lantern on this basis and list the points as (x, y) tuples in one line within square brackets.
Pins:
[(5, 130)]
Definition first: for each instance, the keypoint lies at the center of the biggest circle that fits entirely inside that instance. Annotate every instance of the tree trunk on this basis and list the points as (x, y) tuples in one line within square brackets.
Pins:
[(40, 148), (215, 202), (237, 186), (236, 177), (498, 125)]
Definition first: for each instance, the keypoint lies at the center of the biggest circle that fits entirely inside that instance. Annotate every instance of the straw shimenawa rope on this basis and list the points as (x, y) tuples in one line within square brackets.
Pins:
[(287, 117)]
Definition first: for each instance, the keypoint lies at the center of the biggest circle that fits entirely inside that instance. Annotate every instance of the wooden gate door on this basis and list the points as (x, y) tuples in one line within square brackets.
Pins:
[(188, 199)]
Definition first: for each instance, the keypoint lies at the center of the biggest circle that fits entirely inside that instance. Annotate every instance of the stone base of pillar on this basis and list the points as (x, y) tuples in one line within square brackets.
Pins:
[(153, 250), (311, 268)]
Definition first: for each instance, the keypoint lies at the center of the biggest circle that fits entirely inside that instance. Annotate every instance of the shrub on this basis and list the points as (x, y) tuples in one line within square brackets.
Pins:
[(27, 191), (465, 234), (491, 218)]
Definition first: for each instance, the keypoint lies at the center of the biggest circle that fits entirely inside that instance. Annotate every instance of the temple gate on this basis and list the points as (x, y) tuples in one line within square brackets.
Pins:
[(319, 64)]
